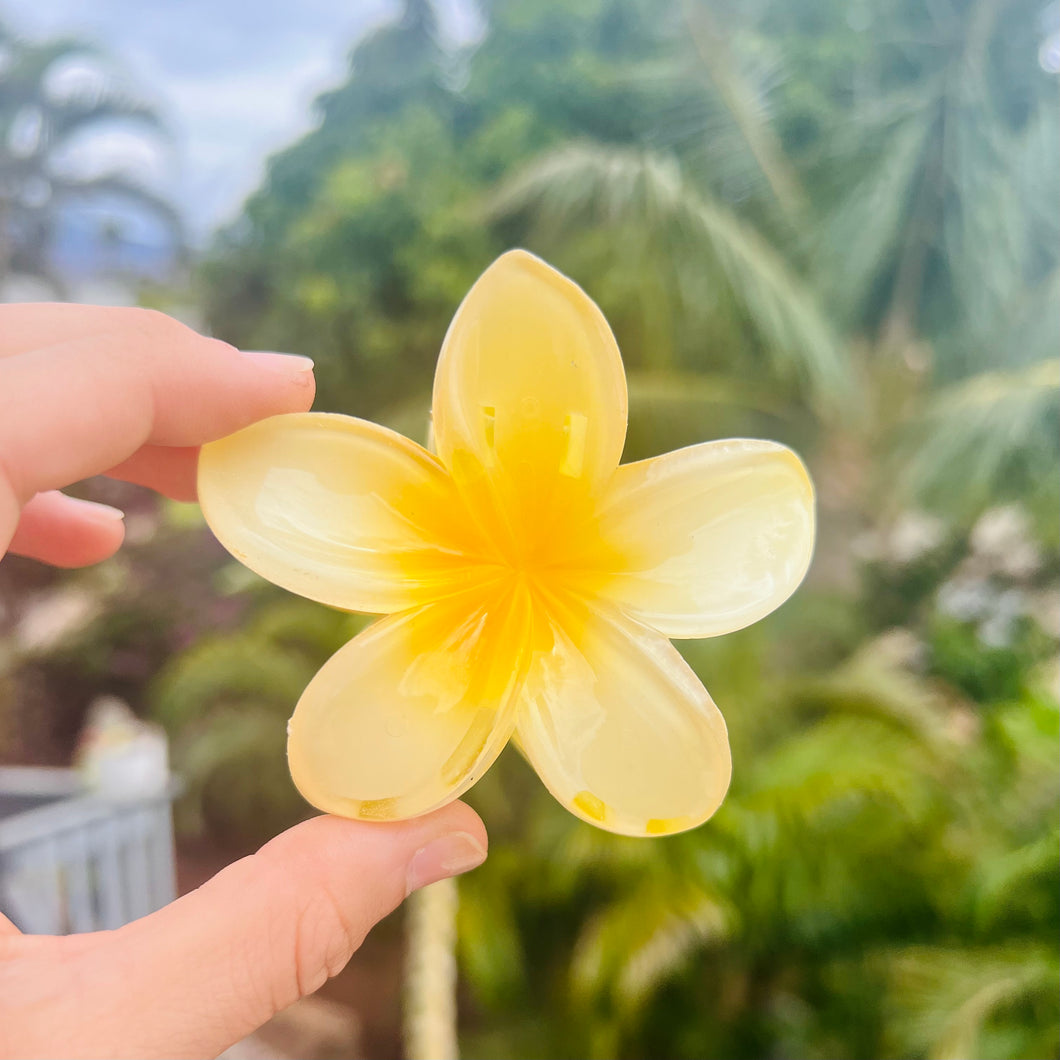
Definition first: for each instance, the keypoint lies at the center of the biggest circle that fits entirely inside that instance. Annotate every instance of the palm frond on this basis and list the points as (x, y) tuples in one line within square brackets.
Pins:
[(744, 105), (585, 187), (635, 944), (842, 760), (1004, 879), (861, 234), (945, 999), (67, 117), (22, 79), (872, 684), (1001, 243), (985, 436)]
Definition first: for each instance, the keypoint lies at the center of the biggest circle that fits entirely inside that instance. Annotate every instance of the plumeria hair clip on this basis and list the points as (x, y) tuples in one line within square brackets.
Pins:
[(530, 582)]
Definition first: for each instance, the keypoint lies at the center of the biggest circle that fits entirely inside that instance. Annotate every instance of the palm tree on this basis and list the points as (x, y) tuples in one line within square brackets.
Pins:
[(921, 264), (37, 123)]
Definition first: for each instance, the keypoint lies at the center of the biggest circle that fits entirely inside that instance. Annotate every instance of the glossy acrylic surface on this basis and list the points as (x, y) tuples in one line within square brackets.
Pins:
[(530, 580)]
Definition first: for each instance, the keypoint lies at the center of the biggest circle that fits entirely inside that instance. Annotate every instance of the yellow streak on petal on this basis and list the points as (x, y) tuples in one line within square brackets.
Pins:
[(377, 810), (576, 429), (668, 825), (590, 805)]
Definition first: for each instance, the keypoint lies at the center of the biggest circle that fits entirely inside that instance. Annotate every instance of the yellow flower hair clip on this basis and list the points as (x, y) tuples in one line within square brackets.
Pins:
[(530, 582)]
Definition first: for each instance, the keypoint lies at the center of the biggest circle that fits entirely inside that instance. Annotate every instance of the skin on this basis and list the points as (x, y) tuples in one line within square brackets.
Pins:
[(132, 394)]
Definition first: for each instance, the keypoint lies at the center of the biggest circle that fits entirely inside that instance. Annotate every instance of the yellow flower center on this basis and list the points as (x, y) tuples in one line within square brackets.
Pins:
[(552, 551)]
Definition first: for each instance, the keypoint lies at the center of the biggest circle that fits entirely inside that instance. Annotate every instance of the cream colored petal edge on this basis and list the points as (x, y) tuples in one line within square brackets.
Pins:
[(335, 509), (530, 396), (409, 714), (708, 539), (620, 730)]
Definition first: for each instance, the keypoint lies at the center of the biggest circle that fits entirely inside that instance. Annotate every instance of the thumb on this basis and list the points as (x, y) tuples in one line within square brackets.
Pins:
[(208, 969)]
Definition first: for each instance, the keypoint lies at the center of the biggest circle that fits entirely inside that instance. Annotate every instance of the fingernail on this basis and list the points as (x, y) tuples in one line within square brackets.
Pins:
[(290, 364), (103, 512), (449, 856)]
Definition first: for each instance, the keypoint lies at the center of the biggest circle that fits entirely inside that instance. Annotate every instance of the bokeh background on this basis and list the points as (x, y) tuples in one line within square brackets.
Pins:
[(835, 223)]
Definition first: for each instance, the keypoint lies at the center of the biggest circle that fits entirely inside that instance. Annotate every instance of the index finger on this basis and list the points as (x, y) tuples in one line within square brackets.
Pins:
[(34, 325), (84, 405)]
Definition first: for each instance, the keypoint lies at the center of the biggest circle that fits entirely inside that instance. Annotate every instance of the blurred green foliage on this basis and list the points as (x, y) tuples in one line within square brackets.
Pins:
[(833, 223)]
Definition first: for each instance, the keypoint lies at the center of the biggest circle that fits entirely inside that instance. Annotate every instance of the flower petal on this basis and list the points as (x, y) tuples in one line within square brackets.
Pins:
[(707, 539), (529, 401), (338, 510), (619, 727), (413, 710)]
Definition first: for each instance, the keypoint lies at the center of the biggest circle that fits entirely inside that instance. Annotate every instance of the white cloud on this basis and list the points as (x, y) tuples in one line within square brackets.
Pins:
[(235, 79)]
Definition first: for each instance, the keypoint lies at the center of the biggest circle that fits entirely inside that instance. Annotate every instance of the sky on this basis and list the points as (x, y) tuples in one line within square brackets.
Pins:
[(233, 79)]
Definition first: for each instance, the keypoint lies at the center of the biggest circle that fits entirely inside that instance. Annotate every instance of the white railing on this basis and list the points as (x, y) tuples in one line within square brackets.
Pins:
[(72, 861)]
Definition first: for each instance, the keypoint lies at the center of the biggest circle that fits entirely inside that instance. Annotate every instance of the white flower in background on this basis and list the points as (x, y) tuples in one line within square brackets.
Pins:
[(1001, 550), (965, 597), (867, 546), (1049, 675), (901, 648), (1001, 539), (962, 725), (1045, 610), (972, 598), (999, 626), (140, 527), (51, 617), (913, 535)]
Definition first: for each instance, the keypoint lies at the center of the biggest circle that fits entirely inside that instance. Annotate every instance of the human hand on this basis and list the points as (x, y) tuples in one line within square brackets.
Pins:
[(200, 974), (129, 393), (132, 394)]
